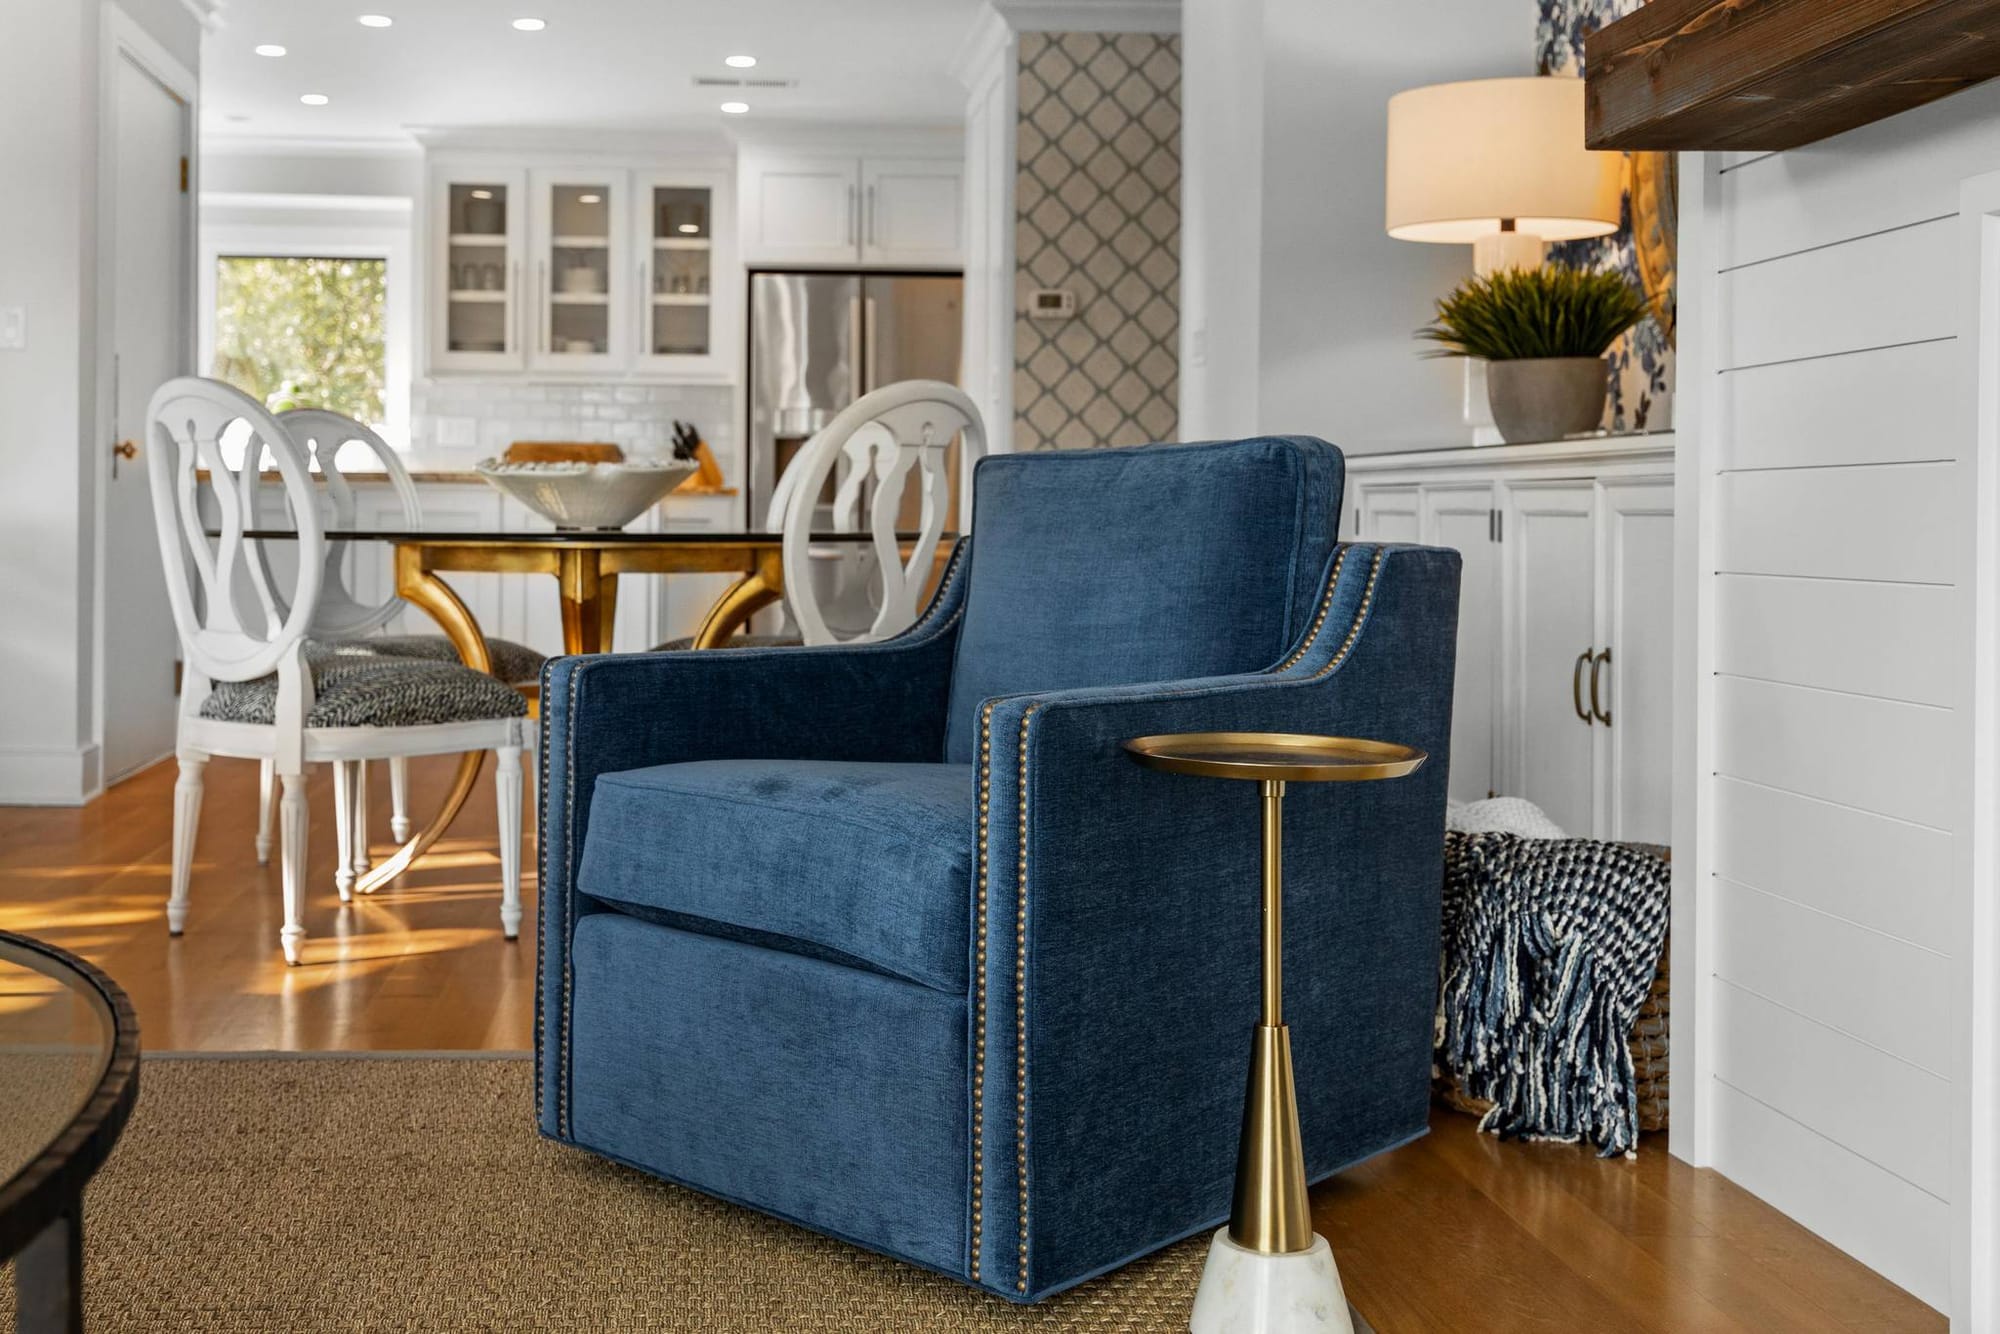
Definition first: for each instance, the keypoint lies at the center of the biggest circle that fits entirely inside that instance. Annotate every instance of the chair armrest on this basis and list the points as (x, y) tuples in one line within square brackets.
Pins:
[(606, 713), (1116, 939)]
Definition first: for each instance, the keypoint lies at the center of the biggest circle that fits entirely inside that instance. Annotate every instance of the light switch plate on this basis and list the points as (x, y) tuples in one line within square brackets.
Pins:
[(13, 327)]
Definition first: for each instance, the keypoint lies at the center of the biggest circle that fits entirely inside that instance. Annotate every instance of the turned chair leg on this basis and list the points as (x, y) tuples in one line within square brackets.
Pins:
[(361, 861), (507, 789), (187, 815), (267, 807), (292, 824), (399, 795), (343, 829)]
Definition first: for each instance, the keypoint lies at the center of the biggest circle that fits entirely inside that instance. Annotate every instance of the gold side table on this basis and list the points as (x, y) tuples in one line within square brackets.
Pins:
[(1268, 1272)]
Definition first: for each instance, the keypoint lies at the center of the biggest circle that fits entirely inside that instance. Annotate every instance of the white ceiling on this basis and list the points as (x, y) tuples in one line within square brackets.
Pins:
[(599, 64)]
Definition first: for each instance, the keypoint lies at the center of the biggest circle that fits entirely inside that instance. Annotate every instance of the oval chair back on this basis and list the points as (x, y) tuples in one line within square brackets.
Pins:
[(321, 434), (197, 423), (870, 449)]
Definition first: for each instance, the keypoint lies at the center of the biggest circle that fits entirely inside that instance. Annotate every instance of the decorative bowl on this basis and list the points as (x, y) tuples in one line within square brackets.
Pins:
[(594, 496)]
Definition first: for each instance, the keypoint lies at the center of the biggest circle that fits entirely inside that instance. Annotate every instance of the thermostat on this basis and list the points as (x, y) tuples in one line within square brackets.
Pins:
[(1051, 303)]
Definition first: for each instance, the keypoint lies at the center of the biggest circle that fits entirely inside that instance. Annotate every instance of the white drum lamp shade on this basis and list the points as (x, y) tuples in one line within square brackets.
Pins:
[(1469, 160)]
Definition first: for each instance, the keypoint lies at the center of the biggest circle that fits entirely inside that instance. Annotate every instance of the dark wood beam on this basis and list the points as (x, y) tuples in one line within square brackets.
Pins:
[(1773, 74)]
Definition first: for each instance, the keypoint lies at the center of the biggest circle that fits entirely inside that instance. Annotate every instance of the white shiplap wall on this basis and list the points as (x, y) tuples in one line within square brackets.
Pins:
[(1829, 446)]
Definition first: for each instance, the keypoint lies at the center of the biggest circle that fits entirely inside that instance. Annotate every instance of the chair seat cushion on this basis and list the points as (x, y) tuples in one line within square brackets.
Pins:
[(512, 662), (866, 864), (368, 691)]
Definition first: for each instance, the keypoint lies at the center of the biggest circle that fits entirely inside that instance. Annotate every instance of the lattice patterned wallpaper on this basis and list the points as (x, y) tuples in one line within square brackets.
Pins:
[(1097, 203)]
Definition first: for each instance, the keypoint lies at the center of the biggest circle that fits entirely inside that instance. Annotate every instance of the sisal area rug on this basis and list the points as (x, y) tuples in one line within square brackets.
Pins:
[(306, 1194)]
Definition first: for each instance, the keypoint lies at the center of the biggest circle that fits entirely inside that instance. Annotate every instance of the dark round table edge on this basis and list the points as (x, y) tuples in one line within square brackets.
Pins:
[(51, 1186)]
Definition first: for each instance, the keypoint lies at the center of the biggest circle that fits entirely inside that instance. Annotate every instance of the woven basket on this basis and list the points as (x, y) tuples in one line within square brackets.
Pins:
[(1649, 1048)]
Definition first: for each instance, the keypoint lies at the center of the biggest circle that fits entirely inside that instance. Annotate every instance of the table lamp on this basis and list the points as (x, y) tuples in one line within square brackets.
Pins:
[(1497, 164)]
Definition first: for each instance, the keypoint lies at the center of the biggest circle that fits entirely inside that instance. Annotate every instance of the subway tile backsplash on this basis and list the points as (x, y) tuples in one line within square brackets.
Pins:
[(479, 418)]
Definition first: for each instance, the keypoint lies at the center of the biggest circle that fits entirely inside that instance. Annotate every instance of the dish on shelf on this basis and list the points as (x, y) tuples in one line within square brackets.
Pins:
[(594, 496)]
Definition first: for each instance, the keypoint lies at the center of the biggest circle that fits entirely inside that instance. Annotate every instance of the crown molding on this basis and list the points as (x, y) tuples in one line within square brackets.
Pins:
[(983, 50), (207, 13), (214, 145), (1091, 15)]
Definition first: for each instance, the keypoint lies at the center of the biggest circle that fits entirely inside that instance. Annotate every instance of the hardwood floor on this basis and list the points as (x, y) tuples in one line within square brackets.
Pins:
[(1455, 1232)]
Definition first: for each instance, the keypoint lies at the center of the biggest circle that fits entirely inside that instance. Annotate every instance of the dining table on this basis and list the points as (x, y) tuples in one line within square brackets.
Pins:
[(586, 566)]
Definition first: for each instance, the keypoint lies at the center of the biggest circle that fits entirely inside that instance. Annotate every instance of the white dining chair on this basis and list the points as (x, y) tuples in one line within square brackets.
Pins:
[(855, 592), (256, 686), (345, 623)]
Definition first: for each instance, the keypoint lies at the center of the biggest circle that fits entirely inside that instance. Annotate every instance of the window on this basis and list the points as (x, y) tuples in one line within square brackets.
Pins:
[(304, 331)]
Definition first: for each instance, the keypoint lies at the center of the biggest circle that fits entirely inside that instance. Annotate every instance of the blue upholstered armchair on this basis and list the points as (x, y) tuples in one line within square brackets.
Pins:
[(895, 942)]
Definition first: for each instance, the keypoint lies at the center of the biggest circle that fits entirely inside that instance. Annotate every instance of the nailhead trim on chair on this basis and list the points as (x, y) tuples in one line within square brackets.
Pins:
[(1360, 614), (569, 902), (1325, 605), (979, 1001), (1021, 1000)]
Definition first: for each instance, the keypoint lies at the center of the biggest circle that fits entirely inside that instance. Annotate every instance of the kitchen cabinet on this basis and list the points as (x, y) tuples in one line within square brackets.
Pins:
[(1563, 689), (883, 211), (606, 270)]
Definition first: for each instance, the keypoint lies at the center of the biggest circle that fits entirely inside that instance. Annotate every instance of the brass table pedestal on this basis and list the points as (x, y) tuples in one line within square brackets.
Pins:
[(1267, 1271)]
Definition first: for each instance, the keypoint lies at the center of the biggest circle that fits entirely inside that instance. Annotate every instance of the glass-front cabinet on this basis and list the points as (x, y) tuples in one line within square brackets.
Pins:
[(478, 225), (605, 271), (579, 300)]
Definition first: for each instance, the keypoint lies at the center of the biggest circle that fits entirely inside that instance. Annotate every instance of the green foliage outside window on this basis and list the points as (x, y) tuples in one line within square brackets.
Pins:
[(303, 332)]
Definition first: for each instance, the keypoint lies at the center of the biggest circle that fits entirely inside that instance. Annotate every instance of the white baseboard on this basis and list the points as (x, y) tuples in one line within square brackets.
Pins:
[(35, 777)]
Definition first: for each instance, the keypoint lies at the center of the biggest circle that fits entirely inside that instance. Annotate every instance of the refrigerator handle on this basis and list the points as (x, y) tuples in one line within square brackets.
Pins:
[(856, 386), (868, 344)]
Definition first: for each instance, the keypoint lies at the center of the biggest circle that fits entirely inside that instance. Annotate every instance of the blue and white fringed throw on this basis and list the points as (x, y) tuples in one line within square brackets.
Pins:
[(1549, 950)]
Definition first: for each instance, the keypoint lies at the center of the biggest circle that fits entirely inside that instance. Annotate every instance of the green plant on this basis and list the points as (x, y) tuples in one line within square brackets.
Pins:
[(1553, 311), (303, 331)]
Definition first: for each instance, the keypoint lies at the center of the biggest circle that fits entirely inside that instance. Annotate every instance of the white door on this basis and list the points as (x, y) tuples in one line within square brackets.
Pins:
[(478, 218), (151, 247), (1462, 518), (690, 289), (1549, 538), (910, 211), (1388, 514), (583, 274), (801, 210), (1631, 687)]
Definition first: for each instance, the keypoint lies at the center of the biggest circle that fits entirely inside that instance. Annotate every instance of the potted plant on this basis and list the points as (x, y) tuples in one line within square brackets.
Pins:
[(1543, 334)]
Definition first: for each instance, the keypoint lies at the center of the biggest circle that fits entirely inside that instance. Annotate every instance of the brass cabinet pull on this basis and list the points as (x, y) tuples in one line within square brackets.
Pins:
[(1576, 684), (1597, 664), (126, 449)]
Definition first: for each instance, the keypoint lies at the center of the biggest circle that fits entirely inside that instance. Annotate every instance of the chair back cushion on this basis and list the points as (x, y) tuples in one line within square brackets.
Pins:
[(1114, 566)]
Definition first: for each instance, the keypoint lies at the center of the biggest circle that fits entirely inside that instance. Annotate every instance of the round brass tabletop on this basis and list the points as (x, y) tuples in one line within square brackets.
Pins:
[(1291, 757)]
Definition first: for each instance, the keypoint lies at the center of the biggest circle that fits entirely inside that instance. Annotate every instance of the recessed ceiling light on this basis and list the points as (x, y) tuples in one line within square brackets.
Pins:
[(590, 199), (692, 228), (530, 25), (482, 194), (314, 99), (269, 49), (740, 62), (735, 108), (375, 20)]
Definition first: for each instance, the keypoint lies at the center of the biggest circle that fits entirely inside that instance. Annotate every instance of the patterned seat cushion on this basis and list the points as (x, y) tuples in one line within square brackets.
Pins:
[(355, 690), (512, 662)]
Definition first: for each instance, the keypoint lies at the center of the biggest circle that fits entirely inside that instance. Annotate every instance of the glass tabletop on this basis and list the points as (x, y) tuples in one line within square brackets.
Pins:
[(555, 537), (57, 1038)]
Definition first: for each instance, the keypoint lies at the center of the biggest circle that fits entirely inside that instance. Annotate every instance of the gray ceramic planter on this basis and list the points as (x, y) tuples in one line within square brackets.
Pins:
[(1546, 398)]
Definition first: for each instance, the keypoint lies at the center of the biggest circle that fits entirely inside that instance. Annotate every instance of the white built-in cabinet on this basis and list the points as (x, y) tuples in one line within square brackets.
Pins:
[(1563, 692), (832, 210), (603, 269)]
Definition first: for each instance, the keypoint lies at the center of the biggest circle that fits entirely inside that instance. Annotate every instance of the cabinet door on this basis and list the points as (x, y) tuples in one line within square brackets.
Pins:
[(1550, 549), (1633, 686), (578, 313), (911, 210), (478, 221), (687, 283), (1461, 518), (1388, 514), (804, 210)]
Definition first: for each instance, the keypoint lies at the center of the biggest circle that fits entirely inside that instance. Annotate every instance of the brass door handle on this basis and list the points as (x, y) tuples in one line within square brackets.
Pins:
[(1597, 664), (1576, 684), (126, 449)]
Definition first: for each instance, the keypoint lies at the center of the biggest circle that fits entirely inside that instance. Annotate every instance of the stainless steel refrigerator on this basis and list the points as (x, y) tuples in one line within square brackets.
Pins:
[(820, 340)]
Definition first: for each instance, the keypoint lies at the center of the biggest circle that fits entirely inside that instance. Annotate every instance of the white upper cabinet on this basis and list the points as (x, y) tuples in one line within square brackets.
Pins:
[(579, 320), (478, 230), (603, 270), (911, 211), (848, 211)]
